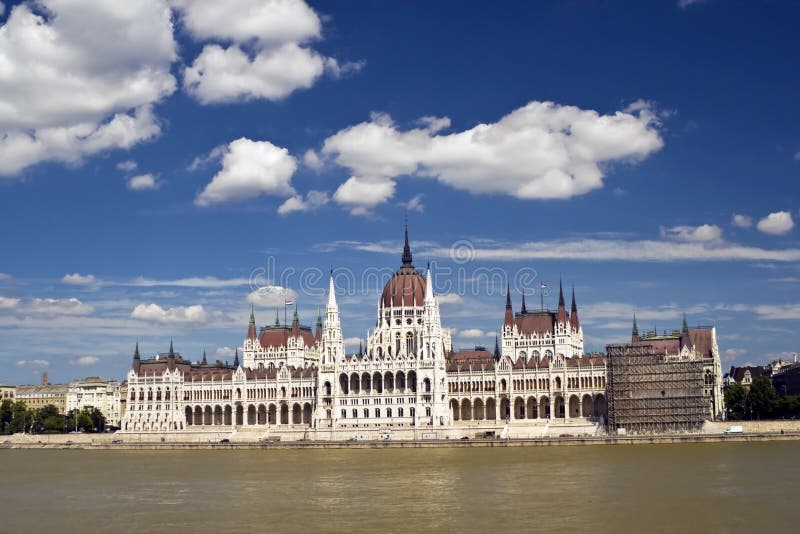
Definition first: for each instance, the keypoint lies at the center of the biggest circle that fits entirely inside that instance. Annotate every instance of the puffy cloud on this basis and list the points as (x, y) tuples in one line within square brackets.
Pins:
[(449, 298), (266, 57), (70, 306), (413, 204), (704, 232), (742, 221), (733, 354), (142, 182), (229, 74), (541, 150), (127, 166), (35, 364), (7, 303), (312, 160), (312, 201), (352, 342), (360, 195), (80, 77), (777, 223), (77, 279), (201, 161), (473, 333), (178, 314), (224, 352), (250, 168), (4, 277), (270, 296), (85, 360)]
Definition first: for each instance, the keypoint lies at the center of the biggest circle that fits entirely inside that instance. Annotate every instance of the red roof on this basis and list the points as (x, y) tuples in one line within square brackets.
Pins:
[(536, 322), (406, 287), (276, 337)]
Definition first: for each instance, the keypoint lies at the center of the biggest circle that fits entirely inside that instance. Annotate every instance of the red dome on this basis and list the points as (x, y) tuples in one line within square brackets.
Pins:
[(406, 287)]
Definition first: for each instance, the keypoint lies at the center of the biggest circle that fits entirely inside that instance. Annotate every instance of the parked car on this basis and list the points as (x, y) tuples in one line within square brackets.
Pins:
[(116, 441), (735, 429), (224, 440), (69, 442)]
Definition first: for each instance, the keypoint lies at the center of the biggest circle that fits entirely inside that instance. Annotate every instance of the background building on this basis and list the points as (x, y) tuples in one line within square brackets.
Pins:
[(7, 392), (95, 392), (36, 397)]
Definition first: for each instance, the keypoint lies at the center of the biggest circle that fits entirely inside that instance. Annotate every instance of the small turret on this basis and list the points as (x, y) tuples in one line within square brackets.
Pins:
[(295, 323), (318, 333), (136, 358), (407, 259), (573, 313), (251, 327), (523, 310), (561, 317), (236, 359), (204, 362), (685, 326), (171, 352), (496, 349), (634, 330), (509, 319)]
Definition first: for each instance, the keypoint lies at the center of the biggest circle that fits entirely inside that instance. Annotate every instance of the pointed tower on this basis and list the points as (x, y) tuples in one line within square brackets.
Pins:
[(136, 358), (295, 323), (685, 326), (496, 349), (236, 359), (251, 326), (171, 352), (561, 317), (332, 341), (318, 332), (509, 318), (204, 361), (277, 318), (634, 330), (523, 310), (573, 313), (407, 259)]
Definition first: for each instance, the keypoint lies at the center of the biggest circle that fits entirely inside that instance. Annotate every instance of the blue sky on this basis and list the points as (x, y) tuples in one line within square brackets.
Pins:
[(161, 161)]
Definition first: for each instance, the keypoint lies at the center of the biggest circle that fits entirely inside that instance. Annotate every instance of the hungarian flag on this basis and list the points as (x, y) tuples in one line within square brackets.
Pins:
[(287, 302), (542, 285)]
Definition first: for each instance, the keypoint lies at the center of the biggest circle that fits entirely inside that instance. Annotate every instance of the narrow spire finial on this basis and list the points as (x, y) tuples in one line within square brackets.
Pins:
[(685, 326), (171, 351), (407, 258), (136, 352)]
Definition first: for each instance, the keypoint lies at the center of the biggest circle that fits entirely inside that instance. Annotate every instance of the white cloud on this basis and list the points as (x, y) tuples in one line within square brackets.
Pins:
[(312, 160), (449, 298), (271, 296), (225, 352), (2, 8), (742, 221), (77, 279), (143, 182), (85, 360), (542, 150), (778, 311), (7, 303), (686, 3), (70, 306), (797, 156), (201, 161), (36, 364), (352, 342), (704, 232), (4, 277), (196, 282), (591, 250), (250, 168), (733, 354), (312, 201), (777, 223), (80, 79), (265, 53), (473, 333), (413, 204), (178, 314), (360, 195), (127, 166)]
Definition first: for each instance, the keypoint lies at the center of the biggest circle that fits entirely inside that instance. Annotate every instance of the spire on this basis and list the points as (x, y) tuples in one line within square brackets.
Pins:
[(136, 352), (277, 318), (331, 293), (496, 349), (407, 259), (136, 359), (634, 330), (295, 322), (523, 309), (428, 285), (171, 352), (562, 311), (318, 332), (685, 327), (360, 348), (251, 327), (509, 319), (236, 359), (573, 314), (204, 362)]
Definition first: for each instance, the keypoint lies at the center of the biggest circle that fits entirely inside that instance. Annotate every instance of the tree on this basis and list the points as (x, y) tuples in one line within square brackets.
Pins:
[(736, 401), (6, 408), (49, 420), (20, 417), (762, 398)]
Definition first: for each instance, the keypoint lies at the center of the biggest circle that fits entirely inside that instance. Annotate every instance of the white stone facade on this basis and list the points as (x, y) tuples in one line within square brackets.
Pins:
[(95, 392)]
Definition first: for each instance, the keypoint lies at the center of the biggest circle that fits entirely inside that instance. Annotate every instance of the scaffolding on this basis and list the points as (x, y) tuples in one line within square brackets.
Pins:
[(652, 393)]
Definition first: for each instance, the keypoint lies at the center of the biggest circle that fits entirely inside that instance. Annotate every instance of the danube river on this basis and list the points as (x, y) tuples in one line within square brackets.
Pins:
[(714, 487)]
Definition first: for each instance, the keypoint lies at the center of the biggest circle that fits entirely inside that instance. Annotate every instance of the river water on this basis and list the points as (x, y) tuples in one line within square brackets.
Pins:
[(712, 487)]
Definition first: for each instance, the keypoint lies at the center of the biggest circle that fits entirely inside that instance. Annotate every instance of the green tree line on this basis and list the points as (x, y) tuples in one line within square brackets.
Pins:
[(15, 416), (760, 401)]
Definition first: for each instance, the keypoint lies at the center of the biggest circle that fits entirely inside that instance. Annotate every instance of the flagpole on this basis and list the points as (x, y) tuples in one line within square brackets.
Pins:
[(284, 313), (541, 295)]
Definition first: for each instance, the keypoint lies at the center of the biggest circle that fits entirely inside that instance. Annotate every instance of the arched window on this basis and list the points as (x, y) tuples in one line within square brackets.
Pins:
[(397, 343), (409, 344), (399, 412), (388, 412)]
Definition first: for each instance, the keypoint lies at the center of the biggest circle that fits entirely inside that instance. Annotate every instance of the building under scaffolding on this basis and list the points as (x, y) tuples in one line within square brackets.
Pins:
[(650, 392)]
